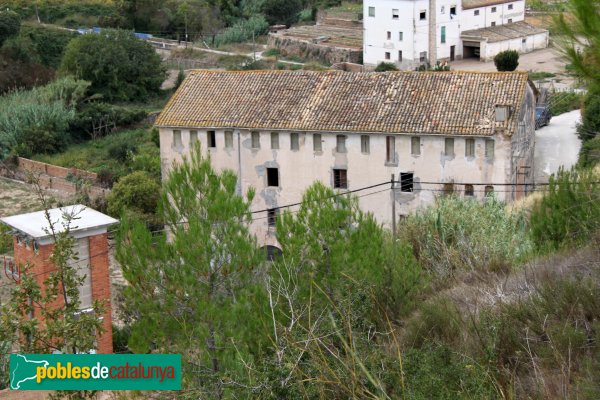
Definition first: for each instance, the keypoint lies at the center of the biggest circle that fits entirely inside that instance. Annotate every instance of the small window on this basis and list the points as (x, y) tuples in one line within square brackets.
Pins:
[(387, 55), (341, 144), (423, 15), (389, 35), (371, 11), (365, 145), (275, 140), (524, 40), (193, 138), (272, 217), (255, 140), (489, 148), (229, 139), (317, 142), (510, 20), (423, 56), (406, 182), (211, 138), (448, 188), (493, 9), (469, 191), (443, 34), (452, 10), (449, 147), (36, 246), (273, 177), (400, 55), (400, 36), (294, 141), (340, 179), (476, 12), (177, 139), (390, 149), (395, 13), (493, 24), (443, 10), (469, 147), (415, 145), (489, 191), (510, 6)]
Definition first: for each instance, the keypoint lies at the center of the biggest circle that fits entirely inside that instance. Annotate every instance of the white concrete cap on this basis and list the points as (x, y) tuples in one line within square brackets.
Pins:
[(85, 222)]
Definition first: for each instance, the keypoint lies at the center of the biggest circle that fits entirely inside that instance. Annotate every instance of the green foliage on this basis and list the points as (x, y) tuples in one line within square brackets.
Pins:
[(98, 119), (569, 212), (49, 43), (6, 240), (194, 291), (589, 155), (590, 116), (539, 75), (466, 235), (243, 30), (562, 102), (272, 52), (507, 60), (136, 196), (180, 78), (284, 12), (10, 23), (118, 65), (383, 66)]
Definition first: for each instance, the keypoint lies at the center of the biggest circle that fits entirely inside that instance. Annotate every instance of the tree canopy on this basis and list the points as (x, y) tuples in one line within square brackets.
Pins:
[(10, 24)]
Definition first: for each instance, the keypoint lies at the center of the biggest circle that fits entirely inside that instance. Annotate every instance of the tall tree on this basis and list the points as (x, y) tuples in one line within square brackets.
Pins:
[(191, 287)]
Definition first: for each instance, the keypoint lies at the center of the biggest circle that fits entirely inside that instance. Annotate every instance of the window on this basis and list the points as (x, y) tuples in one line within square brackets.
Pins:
[(415, 146), (273, 177), (423, 15), (340, 179), (390, 149), (211, 139), (406, 181), (423, 56), (493, 24), (489, 148), (228, 139), (443, 34), (395, 13), (371, 11), (524, 40), (443, 10), (317, 142), (82, 267), (275, 140), (255, 140), (387, 55), (449, 147), (469, 147), (365, 145), (340, 144), (476, 12), (389, 35), (510, 6), (489, 191), (400, 55), (272, 217), (400, 36), (452, 10), (493, 9), (193, 137), (469, 190), (448, 188), (510, 20), (177, 139), (502, 113), (294, 141)]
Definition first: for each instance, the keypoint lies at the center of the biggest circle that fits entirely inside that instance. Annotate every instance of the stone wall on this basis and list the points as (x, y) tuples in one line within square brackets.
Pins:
[(295, 47)]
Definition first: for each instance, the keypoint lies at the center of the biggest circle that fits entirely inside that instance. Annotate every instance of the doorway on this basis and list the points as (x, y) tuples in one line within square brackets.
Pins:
[(452, 50)]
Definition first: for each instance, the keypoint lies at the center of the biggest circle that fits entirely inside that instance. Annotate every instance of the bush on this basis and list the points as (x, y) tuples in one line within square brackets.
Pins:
[(6, 240), (49, 43), (10, 23), (507, 60), (243, 30), (40, 140), (590, 116), (284, 12), (118, 65), (136, 195), (383, 66), (95, 120), (121, 151), (589, 155)]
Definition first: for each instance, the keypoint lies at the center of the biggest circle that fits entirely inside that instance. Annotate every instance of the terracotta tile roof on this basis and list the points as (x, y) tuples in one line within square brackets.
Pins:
[(468, 4), (445, 103)]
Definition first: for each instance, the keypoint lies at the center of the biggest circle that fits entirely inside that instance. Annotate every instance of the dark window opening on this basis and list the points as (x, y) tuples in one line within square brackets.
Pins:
[(272, 253), (340, 179), (453, 10), (272, 177), (469, 191), (272, 217), (423, 15), (406, 182), (211, 138), (489, 191), (448, 188)]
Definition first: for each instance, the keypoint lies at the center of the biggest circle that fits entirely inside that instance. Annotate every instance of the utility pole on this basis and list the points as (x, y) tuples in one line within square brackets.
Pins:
[(393, 182)]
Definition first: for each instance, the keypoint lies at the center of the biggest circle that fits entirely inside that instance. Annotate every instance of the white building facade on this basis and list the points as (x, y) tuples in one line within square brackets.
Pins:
[(281, 146), (410, 33)]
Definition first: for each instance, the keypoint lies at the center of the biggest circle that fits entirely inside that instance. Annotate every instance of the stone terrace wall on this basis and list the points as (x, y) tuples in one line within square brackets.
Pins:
[(292, 46)]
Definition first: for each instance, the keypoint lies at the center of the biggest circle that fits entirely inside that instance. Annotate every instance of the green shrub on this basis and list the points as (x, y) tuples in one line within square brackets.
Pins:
[(589, 154), (437, 321), (507, 60), (136, 195), (49, 43), (569, 212), (590, 116), (94, 120), (10, 23), (284, 12), (272, 52), (243, 30), (6, 240), (539, 75), (121, 151), (383, 66), (562, 102)]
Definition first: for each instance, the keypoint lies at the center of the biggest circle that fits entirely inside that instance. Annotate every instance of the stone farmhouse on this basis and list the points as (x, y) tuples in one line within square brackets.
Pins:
[(412, 33), (469, 133)]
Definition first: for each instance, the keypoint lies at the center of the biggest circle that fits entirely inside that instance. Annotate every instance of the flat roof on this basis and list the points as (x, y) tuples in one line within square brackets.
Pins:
[(468, 4), (500, 33), (78, 218)]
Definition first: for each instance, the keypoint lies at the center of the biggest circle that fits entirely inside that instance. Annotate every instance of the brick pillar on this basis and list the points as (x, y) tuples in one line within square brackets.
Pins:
[(101, 287)]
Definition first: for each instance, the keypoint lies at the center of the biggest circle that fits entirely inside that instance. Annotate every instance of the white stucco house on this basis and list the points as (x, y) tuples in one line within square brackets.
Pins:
[(413, 32), (464, 132)]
